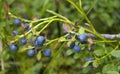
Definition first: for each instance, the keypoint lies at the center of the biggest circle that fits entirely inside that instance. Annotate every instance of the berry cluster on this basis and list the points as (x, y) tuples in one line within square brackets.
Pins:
[(82, 39), (37, 42), (77, 41)]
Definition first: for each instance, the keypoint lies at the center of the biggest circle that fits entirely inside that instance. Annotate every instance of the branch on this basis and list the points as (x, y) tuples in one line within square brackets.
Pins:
[(2, 61), (107, 36)]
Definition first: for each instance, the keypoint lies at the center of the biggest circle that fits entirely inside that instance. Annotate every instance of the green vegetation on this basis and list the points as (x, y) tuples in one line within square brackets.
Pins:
[(59, 37)]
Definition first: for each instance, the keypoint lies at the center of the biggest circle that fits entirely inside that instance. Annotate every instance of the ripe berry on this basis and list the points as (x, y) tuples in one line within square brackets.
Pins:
[(13, 47), (39, 41), (82, 38), (14, 33), (31, 52), (47, 52), (72, 45), (23, 41), (17, 22), (76, 48)]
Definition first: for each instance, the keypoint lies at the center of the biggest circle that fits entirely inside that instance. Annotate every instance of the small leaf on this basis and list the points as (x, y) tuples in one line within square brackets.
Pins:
[(87, 63), (62, 39), (81, 30), (69, 52), (116, 53), (39, 55), (95, 63), (77, 56), (99, 52)]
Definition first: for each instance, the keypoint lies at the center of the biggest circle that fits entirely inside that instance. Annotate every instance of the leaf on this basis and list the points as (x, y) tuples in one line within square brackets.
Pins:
[(95, 63), (77, 56), (39, 55), (87, 63), (62, 39), (109, 67), (69, 52), (67, 27), (81, 30), (116, 53), (113, 72), (99, 52)]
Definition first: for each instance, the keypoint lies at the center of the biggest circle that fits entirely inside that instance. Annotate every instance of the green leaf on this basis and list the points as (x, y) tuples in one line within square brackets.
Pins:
[(95, 63), (81, 30), (62, 39), (116, 53), (77, 56), (113, 72), (87, 63), (39, 55), (109, 67), (99, 52), (69, 52)]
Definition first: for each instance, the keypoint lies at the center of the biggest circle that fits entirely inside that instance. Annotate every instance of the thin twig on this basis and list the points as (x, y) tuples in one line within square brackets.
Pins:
[(107, 36)]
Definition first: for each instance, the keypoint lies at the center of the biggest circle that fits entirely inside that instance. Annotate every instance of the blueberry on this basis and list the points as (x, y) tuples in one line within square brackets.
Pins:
[(39, 41), (17, 22), (76, 48), (47, 52), (13, 47), (82, 38), (14, 33), (72, 45), (23, 41), (31, 52)]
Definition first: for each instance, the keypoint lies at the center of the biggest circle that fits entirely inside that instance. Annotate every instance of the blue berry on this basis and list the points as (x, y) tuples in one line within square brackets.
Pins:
[(39, 41), (23, 41), (82, 38), (14, 33), (47, 52), (72, 45), (17, 22), (13, 47), (76, 48), (31, 52)]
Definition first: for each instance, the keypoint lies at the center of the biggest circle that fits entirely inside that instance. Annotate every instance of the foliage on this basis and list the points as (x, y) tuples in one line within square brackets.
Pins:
[(75, 17)]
